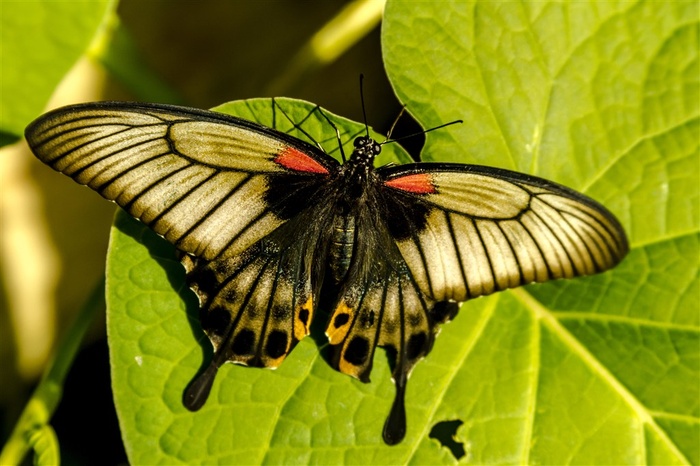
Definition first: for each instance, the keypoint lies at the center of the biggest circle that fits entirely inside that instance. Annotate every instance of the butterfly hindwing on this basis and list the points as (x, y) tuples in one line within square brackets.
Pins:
[(256, 306), (247, 301)]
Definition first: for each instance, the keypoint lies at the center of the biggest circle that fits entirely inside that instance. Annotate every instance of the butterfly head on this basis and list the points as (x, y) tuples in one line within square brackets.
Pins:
[(366, 149)]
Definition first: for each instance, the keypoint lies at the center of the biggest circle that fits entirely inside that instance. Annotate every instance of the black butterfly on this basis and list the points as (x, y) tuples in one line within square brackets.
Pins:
[(265, 220)]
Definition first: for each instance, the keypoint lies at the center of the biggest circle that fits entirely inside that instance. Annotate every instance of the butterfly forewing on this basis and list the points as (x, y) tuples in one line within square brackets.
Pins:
[(182, 172), (483, 229)]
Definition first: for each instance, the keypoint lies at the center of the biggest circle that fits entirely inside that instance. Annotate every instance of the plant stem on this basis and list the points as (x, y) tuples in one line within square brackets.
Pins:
[(32, 430)]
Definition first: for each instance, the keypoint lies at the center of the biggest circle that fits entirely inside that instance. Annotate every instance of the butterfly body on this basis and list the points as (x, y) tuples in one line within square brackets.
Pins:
[(265, 222), (342, 244)]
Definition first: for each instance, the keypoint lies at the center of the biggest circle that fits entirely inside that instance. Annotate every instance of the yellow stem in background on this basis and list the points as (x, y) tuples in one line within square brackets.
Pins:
[(31, 262), (347, 28), (31, 265)]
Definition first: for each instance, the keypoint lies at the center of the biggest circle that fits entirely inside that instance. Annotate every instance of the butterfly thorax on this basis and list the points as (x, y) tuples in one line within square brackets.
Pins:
[(356, 171)]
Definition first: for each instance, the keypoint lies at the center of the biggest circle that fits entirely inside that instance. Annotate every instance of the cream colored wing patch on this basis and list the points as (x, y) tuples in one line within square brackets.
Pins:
[(197, 178), (480, 230)]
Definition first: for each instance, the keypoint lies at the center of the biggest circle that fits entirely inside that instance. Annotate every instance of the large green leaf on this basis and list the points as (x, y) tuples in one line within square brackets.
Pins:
[(602, 97), (606, 369), (157, 347)]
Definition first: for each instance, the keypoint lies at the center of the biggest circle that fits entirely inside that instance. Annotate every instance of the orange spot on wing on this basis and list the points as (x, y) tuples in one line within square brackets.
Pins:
[(419, 183), (336, 333), (350, 369), (298, 161), (302, 325)]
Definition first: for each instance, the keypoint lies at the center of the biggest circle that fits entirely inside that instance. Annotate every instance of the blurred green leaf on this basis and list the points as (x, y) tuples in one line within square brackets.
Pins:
[(41, 42), (601, 370)]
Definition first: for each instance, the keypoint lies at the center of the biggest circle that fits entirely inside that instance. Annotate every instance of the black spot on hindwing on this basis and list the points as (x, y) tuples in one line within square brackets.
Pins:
[(414, 320), (216, 321), (357, 351), (340, 320), (243, 343), (444, 311), (281, 313), (304, 316), (276, 345), (417, 346), (205, 279)]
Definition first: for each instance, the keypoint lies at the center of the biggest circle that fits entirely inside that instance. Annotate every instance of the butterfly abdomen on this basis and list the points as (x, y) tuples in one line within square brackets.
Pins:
[(341, 246)]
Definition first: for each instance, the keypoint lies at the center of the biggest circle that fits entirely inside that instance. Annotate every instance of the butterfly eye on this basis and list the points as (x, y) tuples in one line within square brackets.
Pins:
[(376, 148), (359, 142)]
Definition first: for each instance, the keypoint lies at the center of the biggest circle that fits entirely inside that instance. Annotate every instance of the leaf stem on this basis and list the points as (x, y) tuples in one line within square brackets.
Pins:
[(32, 430)]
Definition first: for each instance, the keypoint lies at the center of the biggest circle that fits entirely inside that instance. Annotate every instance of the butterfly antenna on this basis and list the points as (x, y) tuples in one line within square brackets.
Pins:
[(362, 100), (421, 132), (298, 125), (274, 113)]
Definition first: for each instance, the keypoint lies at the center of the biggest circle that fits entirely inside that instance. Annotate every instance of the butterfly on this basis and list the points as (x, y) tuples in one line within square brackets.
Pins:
[(272, 229)]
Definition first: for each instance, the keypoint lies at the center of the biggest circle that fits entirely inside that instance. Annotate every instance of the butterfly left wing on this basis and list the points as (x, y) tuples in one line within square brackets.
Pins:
[(467, 231)]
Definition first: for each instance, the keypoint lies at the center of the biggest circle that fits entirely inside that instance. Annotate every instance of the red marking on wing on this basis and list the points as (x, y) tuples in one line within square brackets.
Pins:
[(420, 183), (298, 161)]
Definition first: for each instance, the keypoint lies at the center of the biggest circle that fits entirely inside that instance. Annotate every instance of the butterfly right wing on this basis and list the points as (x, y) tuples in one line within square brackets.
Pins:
[(467, 231), (200, 179), (436, 234), (230, 194)]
